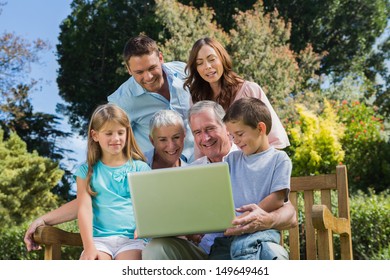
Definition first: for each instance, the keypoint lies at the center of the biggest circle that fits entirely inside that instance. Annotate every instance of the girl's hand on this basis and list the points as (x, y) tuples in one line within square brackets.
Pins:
[(135, 234), (89, 254)]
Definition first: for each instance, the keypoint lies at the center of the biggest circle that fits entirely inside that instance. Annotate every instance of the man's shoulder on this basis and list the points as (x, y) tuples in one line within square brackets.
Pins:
[(126, 89)]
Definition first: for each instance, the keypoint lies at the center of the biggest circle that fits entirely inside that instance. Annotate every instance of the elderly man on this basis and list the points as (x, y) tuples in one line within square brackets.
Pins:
[(212, 140)]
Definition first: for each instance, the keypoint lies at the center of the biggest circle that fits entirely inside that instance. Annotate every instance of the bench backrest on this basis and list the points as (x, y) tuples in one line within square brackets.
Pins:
[(319, 224)]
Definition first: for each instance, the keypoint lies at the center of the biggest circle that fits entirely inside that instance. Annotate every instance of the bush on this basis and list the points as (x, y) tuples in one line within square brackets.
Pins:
[(12, 246), (370, 221), (364, 141)]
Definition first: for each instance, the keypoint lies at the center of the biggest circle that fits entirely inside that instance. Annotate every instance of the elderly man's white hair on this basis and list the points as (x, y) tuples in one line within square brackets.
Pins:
[(205, 105)]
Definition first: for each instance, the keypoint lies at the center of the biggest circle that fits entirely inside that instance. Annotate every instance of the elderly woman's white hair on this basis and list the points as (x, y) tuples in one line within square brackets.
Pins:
[(165, 118)]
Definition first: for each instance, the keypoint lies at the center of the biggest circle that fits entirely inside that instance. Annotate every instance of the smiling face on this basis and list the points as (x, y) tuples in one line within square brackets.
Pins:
[(168, 142), (210, 136), (209, 65), (111, 138), (147, 71), (250, 140)]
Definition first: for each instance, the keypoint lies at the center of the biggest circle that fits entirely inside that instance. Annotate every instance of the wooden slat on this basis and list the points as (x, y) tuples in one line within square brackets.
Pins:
[(325, 237), (342, 188), (326, 198), (309, 183), (53, 251), (311, 248), (343, 199), (294, 243), (325, 245)]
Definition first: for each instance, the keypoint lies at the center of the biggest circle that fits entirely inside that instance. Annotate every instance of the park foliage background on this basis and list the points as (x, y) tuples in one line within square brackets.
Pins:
[(326, 74)]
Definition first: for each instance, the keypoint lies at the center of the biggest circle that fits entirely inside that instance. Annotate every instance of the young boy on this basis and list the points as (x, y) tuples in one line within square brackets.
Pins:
[(260, 174)]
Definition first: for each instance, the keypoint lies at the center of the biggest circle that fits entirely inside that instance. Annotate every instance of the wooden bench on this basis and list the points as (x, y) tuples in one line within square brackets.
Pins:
[(317, 232)]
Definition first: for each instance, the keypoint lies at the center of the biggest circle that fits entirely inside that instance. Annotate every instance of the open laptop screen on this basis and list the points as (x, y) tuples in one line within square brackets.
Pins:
[(183, 200)]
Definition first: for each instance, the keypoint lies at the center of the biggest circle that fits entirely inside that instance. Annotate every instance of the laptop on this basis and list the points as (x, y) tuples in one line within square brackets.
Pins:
[(182, 200)]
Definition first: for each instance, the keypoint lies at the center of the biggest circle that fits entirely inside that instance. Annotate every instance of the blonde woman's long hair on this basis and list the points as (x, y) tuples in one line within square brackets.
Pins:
[(100, 117)]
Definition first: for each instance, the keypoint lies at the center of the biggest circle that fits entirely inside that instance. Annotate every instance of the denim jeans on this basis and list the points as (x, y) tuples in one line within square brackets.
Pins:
[(261, 245)]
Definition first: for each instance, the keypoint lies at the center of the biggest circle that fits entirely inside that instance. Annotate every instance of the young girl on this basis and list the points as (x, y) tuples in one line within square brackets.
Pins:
[(105, 211)]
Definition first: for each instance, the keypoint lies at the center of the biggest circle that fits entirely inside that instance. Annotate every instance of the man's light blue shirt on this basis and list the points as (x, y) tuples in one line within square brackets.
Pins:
[(140, 105)]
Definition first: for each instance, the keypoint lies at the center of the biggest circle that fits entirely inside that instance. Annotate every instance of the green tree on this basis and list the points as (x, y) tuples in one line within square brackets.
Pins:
[(376, 64), (224, 9), (38, 130), (183, 25), (26, 180), (91, 40), (258, 46), (346, 29), (16, 57)]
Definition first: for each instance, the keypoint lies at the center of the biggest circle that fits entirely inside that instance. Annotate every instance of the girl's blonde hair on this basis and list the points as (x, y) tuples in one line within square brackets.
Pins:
[(100, 117)]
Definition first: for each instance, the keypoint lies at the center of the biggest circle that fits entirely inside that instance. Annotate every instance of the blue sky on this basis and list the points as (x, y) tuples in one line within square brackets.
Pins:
[(41, 19)]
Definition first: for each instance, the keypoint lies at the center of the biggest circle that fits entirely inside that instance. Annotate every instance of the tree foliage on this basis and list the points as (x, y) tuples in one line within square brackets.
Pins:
[(370, 225), (315, 141), (38, 130), (345, 30), (92, 38), (364, 142), (183, 25), (26, 180), (261, 50), (16, 57), (258, 45)]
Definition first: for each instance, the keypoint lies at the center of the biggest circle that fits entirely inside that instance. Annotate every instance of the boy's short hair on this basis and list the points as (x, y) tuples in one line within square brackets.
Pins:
[(250, 111)]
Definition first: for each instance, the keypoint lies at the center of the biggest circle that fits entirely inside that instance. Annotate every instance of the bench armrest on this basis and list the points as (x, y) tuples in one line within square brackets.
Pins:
[(49, 235), (323, 219)]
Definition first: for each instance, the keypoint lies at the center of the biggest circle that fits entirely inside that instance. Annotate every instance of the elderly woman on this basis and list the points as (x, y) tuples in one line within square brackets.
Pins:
[(167, 133)]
